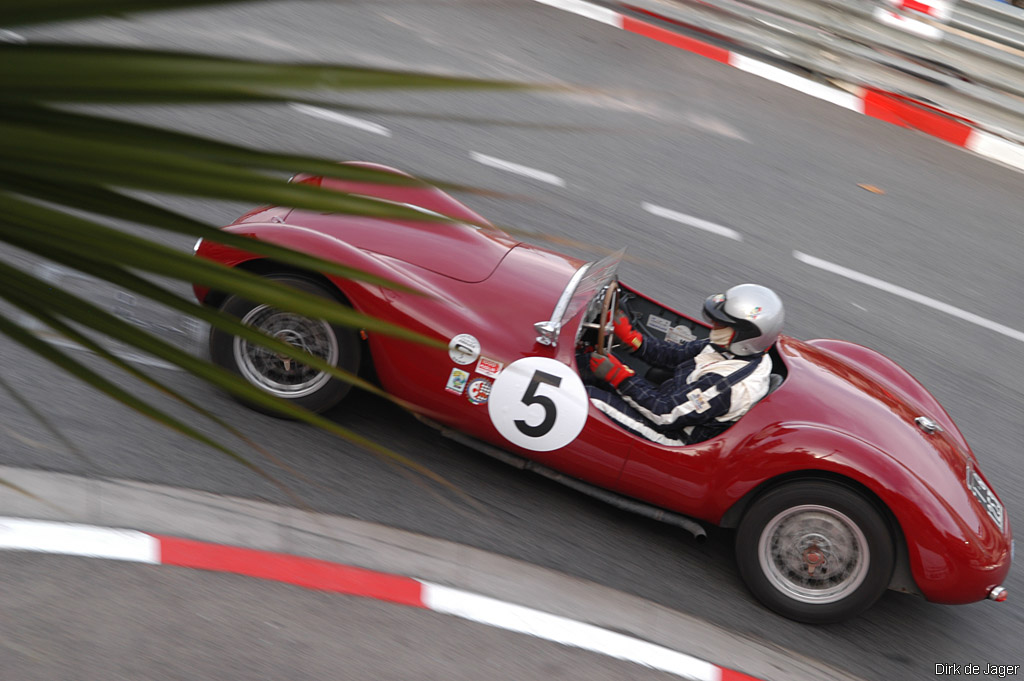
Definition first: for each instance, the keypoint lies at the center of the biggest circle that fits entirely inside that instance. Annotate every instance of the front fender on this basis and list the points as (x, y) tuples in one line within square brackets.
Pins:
[(956, 552), (306, 241)]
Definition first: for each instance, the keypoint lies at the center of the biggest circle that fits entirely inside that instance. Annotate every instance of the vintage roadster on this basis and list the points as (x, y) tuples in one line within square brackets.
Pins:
[(846, 479)]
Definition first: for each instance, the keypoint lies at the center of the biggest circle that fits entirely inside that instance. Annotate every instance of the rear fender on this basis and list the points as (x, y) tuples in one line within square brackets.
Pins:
[(887, 372), (942, 535)]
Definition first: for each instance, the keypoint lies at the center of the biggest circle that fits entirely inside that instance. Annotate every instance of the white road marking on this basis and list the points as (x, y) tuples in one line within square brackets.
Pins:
[(131, 357), (909, 295), (692, 221), (565, 631), (335, 117), (516, 168), (43, 332), (78, 540), (716, 126)]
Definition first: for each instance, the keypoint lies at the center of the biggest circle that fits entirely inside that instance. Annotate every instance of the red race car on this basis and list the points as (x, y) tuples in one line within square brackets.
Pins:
[(846, 479)]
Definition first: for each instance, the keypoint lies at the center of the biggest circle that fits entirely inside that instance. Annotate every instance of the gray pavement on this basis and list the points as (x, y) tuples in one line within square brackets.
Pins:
[(81, 618)]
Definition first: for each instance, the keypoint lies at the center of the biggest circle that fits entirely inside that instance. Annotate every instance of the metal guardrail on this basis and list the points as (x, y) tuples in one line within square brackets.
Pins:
[(996, 21), (972, 66)]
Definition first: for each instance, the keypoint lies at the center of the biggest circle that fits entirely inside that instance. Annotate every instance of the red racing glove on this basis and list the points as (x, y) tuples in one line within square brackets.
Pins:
[(625, 332), (609, 369)]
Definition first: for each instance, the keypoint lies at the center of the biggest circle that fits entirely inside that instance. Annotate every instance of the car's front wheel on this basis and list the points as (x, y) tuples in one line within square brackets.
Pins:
[(815, 551), (278, 374)]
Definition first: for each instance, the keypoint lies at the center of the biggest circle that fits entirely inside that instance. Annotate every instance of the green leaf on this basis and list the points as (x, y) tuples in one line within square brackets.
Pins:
[(20, 12), (37, 228), (213, 374), (114, 328), (30, 306), (51, 154), (45, 422), (56, 164), (71, 73), (114, 204)]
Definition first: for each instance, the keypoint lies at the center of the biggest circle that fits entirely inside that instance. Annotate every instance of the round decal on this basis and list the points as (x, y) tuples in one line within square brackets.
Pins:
[(464, 349), (478, 390), (538, 403)]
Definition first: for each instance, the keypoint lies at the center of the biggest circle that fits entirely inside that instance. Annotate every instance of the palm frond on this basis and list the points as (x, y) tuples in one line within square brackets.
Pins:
[(66, 175)]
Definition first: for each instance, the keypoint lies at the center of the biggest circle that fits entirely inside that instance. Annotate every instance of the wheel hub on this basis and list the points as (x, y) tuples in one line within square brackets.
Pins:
[(814, 554)]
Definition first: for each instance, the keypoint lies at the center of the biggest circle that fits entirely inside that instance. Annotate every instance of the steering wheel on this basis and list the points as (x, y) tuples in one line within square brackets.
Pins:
[(608, 309)]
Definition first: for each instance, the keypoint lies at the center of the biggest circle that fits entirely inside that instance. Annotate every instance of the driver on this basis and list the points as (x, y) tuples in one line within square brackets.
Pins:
[(714, 380)]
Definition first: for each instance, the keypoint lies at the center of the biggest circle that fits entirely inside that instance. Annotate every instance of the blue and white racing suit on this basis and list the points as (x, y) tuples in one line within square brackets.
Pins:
[(709, 389)]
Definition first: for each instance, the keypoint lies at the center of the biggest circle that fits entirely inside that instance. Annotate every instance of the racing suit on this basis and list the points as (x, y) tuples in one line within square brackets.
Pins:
[(709, 389)]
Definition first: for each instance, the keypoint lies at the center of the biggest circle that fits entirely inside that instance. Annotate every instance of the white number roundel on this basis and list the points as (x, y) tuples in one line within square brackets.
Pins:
[(538, 403)]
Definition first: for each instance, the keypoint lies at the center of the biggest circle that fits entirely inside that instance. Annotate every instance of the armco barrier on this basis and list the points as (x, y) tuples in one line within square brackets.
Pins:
[(970, 64)]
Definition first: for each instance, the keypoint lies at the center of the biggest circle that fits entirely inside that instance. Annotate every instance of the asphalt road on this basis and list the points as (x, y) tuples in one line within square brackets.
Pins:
[(114, 620), (658, 127)]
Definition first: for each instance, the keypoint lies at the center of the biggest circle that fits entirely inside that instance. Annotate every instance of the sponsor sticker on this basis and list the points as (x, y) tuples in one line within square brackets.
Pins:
[(658, 323), (464, 349), (679, 334), (478, 390), (457, 381), (699, 402), (489, 367)]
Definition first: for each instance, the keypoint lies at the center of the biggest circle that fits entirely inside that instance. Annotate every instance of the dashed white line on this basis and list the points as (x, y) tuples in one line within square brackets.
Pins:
[(518, 169), (909, 295), (692, 221), (335, 117)]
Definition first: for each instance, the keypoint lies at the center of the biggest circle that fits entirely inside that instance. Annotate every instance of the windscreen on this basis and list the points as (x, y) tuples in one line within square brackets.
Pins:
[(598, 275)]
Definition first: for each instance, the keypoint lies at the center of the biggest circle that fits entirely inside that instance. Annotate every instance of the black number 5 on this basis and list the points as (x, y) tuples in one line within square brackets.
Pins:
[(531, 397)]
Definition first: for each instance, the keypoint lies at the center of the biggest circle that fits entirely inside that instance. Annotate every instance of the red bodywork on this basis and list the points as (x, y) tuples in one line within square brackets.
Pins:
[(843, 411)]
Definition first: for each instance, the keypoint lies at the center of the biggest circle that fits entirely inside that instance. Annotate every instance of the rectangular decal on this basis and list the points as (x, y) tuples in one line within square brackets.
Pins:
[(658, 323), (489, 367), (457, 381), (679, 334)]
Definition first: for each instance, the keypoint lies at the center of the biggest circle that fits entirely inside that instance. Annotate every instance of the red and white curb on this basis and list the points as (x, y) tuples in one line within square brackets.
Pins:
[(884, 106), (18, 534)]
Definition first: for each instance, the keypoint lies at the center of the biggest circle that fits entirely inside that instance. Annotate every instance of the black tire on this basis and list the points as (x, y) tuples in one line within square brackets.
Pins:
[(300, 384), (815, 551)]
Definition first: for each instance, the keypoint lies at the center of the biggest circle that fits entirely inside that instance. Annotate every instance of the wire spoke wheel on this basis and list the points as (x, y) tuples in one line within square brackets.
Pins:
[(815, 551), (278, 374)]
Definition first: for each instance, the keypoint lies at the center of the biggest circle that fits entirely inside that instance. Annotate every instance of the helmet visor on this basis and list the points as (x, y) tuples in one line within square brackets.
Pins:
[(714, 310)]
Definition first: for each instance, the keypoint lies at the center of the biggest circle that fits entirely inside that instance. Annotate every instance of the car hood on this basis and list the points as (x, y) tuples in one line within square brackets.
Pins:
[(460, 251)]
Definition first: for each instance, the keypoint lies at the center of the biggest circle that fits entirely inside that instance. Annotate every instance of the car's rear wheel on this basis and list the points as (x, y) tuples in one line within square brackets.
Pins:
[(815, 551), (278, 374)]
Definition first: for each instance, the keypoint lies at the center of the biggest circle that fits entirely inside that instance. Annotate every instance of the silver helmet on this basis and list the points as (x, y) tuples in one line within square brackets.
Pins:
[(754, 312)]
